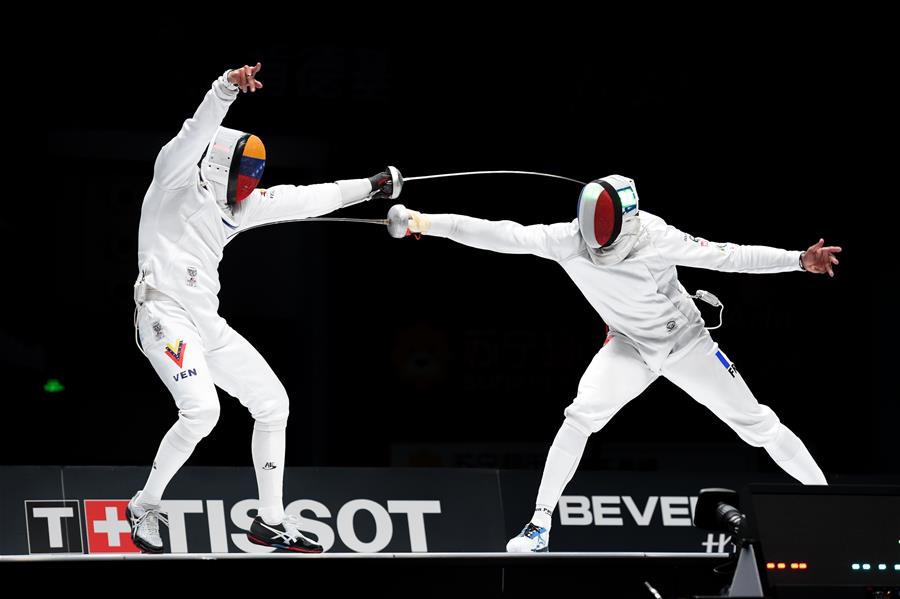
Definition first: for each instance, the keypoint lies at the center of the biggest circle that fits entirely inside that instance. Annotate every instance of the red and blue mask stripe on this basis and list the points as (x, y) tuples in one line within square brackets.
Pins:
[(248, 165)]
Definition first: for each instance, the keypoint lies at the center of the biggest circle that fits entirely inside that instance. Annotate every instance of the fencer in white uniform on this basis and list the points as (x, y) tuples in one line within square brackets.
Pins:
[(624, 262), (204, 193)]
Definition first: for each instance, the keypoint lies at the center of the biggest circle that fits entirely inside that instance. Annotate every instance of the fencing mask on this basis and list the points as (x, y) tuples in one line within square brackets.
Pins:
[(608, 218), (234, 164)]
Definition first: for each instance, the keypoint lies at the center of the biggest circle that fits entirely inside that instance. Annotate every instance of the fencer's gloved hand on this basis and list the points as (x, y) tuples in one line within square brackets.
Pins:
[(418, 222), (382, 185)]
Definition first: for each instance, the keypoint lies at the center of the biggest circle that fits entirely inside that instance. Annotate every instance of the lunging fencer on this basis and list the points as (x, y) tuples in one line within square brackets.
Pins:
[(624, 263)]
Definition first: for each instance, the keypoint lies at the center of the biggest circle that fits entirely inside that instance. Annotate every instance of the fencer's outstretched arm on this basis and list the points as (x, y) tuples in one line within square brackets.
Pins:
[(558, 241), (286, 203), (176, 164), (687, 250)]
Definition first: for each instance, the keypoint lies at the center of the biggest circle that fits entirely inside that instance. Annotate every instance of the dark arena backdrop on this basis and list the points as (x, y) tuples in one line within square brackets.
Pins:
[(427, 379)]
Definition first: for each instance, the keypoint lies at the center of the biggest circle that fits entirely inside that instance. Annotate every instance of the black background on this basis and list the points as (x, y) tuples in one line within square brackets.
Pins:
[(381, 342)]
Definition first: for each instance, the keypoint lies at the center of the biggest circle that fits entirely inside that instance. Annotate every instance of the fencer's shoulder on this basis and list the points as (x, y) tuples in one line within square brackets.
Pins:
[(567, 231), (570, 228), (569, 242), (652, 224), (649, 219)]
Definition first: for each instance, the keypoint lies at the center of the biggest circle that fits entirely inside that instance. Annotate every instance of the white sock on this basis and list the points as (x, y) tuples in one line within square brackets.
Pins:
[(542, 517), (562, 461), (173, 452), (791, 455), (268, 461)]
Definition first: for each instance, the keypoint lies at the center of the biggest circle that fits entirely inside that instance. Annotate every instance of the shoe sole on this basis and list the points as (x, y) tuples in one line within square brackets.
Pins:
[(144, 547), (258, 541)]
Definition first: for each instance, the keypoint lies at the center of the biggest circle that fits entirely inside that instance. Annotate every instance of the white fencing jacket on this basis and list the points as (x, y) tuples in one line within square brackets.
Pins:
[(639, 298), (184, 229)]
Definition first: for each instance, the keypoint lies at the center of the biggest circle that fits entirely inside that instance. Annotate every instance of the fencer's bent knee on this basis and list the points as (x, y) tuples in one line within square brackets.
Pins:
[(196, 423), (579, 418), (759, 432), (272, 414)]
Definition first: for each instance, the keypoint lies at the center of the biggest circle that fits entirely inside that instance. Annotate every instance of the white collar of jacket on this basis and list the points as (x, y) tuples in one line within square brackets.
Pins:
[(218, 191)]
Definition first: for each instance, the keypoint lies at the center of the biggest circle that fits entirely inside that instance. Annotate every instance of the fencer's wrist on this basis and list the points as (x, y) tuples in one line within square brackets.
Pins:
[(227, 81), (419, 223), (802, 265)]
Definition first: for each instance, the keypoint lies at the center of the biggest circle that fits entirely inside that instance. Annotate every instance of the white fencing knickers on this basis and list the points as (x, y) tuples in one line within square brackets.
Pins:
[(191, 370), (618, 374)]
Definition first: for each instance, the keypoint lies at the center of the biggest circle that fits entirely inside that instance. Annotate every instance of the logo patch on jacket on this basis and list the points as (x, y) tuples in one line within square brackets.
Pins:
[(699, 240)]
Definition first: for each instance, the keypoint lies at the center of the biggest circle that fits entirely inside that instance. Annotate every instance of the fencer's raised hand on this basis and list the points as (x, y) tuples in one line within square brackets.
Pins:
[(418, 222), (820, 259), (245, 78), (382, 185)]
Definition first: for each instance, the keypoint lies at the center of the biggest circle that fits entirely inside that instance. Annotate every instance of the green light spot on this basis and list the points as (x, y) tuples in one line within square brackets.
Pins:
[(54, 386)]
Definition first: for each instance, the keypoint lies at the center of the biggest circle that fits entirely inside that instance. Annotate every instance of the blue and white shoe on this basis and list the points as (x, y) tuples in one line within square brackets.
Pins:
[(532, 539)]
